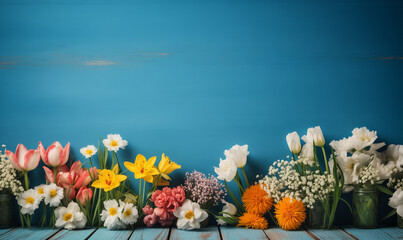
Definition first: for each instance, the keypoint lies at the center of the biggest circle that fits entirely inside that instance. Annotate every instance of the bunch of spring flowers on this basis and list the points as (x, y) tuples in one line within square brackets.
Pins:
[(9, 176), (166, 202), (206, 191)]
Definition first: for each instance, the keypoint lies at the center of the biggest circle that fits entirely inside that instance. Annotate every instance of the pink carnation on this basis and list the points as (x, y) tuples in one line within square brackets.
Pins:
[(150, 220), (147, 210), (179, 194)]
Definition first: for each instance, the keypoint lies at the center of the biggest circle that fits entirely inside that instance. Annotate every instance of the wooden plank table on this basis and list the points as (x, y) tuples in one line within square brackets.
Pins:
[(210, 233)]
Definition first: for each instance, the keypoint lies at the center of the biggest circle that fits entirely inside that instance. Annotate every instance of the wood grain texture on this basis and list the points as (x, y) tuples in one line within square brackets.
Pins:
[(103, 233), (230, 233), (210, 233), (278, 233), (379, 233), (332, 234), (2, 231), (150, 233), (32, 234), (73, 235)]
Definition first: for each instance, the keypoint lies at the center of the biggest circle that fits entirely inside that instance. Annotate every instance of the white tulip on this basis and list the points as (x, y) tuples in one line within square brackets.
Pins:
[(307, 152), (227, 208), (226, 170), (314, 135), (189, 215), (294, 143), (237, 154), (396, 201)]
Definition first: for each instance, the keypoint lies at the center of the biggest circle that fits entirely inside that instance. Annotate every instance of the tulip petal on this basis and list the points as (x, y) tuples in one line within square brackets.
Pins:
[(49, 175), (44, 156), (31, 159), (65, 154), (13, 160), (53, 154), (20, 153)]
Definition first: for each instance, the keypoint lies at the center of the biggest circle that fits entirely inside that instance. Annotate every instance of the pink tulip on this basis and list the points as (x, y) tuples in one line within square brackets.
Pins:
[(23, 159), (49, 175), (84, 194), (55, 155), (76, 178)]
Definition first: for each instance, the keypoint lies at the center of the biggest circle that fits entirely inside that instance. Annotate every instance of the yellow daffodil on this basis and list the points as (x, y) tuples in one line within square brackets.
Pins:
[(108, 180), (142, 168), (166, 166)]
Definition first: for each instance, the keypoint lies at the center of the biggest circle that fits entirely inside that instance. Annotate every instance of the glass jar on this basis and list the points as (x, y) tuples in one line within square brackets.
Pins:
[(6, 205), (365, 207), (399, 221), (315, 216)]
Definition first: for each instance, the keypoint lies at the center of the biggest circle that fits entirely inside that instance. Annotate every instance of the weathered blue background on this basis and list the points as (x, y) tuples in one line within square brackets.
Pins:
[(192, 78)]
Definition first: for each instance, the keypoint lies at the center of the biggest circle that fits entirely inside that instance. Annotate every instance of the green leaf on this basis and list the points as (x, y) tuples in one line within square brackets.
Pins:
[(351, 210), (384, 189), (228, 220), (390, 214)]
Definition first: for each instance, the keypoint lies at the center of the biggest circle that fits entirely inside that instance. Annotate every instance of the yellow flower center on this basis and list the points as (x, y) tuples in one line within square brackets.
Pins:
[(127, 213), (189, 214), (53, 193), (41, 191), (365, 138), (114, 143), (112, 211), (30, 200), (88, 151), (67, 217)]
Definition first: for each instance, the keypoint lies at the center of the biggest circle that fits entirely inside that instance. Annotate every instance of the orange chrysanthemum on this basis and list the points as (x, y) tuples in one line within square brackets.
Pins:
[(251, 220), (256, 200), (290, 214)]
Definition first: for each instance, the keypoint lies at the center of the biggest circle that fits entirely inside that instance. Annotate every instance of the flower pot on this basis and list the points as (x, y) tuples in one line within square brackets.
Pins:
[(365, 207), (399, 221), (205, 222), (6, 205)]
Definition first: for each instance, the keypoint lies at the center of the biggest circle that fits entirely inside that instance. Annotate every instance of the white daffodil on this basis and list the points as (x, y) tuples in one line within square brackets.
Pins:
[(294, 143), (71, 217), (189, 215), (362, 138), (396, 201), (314, 135), (228, 208), (128, 213), (114, 142), (226, 170), (53, 195), (352, 165), (29, 201), (384, 169), (88, 151), (40, 190), (343, 145), (237, 154), (110, 216), (395, 153)]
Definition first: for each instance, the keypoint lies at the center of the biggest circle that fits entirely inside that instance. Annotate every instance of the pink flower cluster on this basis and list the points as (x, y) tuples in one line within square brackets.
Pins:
[(206, 191), (166, 201)]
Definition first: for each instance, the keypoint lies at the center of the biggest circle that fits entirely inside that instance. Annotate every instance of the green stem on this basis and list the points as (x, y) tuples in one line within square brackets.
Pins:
[(91, 163), (244, 175), (26, 180), (326, 163), (55, 174), (140, 202), (239, 206)]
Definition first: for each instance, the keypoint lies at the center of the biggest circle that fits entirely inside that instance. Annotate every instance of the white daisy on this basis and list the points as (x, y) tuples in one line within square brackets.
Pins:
[(70, 217), (53, 195), (88, 151), (40, 190), (114, 142), (110, 215), (29, 201), (128, 213)]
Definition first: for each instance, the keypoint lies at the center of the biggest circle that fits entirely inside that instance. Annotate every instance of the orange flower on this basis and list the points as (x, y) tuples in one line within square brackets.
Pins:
[(290, 214), (251, 220), (256, 200)]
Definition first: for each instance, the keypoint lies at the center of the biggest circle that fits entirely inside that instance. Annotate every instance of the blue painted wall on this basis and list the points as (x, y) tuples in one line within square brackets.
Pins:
[(192, 78)]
